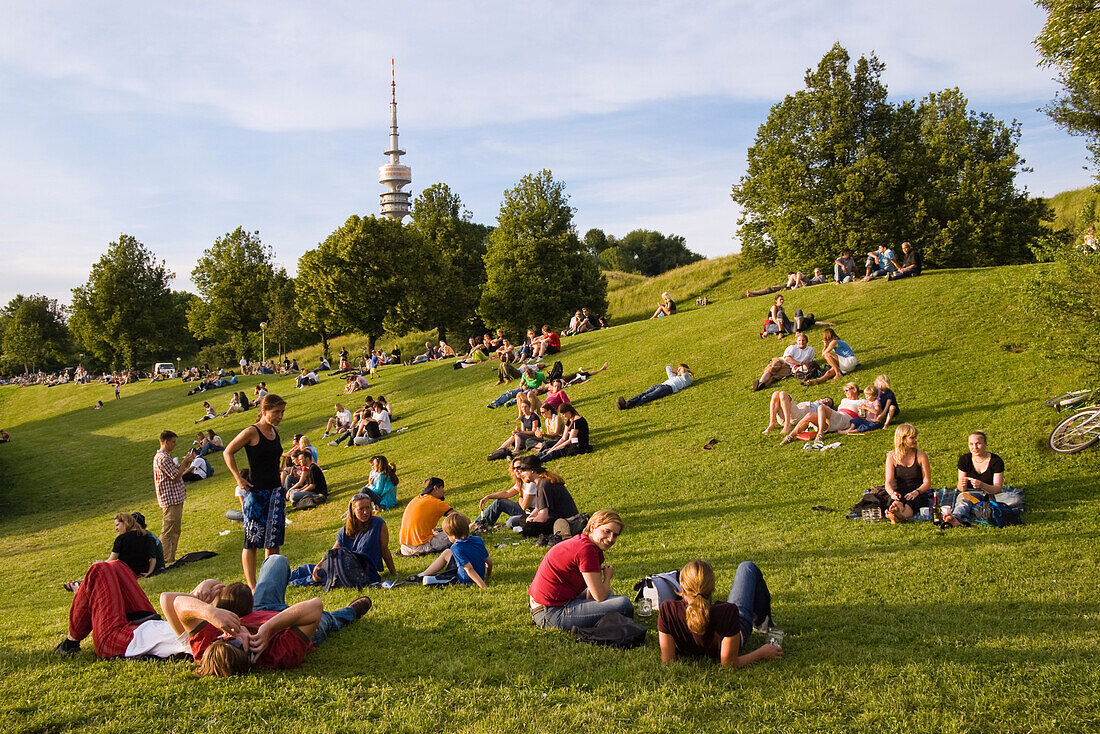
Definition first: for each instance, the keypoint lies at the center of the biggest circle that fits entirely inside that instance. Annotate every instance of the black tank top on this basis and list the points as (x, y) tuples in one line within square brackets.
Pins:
[(263, 460), (908, 478)]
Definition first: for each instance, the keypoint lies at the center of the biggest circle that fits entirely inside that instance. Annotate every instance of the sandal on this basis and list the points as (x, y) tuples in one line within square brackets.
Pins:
[(786, 440), (71, 586), (710, 444)]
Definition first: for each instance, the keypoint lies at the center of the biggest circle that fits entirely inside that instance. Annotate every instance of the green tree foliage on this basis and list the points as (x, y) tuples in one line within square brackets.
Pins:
[(653, 253), (125, 315), (234, 277), (836, 166), (1065, 299), (284, 333), (1068, 43), (368, 275), (34, 332), (595, 241), (537, 271), (439, 217)]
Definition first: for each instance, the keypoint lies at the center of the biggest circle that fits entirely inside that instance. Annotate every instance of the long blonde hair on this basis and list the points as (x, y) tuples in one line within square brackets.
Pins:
[(697, 587), (129, 523), (901, 435)]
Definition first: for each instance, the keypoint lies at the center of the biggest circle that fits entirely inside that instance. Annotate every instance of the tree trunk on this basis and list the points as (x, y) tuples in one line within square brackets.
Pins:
[(324, 344), (442, 333), (371, 339)]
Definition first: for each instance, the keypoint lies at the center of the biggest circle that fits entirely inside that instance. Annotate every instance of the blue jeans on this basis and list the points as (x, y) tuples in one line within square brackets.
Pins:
[(840, 276), (753, 600), (653, 393), (497, 508), (503, 399), (582, 612), (270, 596), (907, 274)]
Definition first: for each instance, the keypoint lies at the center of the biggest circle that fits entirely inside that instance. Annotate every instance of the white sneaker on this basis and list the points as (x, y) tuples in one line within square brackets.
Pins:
[(333, 443)]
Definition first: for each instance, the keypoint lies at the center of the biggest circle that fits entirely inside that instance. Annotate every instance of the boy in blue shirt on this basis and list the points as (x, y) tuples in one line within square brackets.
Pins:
[(467, 558)]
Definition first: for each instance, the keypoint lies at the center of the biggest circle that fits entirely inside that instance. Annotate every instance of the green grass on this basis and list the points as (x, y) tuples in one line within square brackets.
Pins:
[(888, 628)]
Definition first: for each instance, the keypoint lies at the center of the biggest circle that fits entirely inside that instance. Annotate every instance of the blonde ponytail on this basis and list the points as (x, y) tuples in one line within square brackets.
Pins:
[(697, 587)]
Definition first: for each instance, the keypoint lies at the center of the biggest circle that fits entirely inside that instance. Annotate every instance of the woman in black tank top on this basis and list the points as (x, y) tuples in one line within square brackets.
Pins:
[(264, 504), (908, 475)]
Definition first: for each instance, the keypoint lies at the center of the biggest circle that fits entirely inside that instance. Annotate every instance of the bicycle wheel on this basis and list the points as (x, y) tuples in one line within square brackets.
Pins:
[(1077, 432)]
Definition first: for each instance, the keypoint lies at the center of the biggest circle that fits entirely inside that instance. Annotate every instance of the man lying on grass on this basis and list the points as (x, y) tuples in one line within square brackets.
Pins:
[(241, 629)]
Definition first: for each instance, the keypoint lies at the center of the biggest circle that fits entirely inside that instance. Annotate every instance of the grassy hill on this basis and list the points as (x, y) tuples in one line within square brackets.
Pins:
[(1075, 210), (888, 628)]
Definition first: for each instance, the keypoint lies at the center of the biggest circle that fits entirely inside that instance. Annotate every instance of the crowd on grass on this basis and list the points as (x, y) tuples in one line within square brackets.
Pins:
[(229, 628)]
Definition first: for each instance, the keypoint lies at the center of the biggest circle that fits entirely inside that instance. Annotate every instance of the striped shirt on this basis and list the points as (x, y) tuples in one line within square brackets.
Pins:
[(170, 488)]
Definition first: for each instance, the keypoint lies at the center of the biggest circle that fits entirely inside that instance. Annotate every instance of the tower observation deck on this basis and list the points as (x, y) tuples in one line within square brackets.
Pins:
[(394, 175)]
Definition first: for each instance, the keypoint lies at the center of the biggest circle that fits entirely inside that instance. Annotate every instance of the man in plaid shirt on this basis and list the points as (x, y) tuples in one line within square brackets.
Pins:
[(168, 482)]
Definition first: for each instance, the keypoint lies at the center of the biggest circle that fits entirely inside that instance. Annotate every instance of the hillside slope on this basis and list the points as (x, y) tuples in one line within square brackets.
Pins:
[(888, 628)]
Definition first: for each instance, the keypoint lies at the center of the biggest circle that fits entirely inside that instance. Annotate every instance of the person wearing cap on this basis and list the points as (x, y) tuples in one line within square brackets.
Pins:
[(420, 533)]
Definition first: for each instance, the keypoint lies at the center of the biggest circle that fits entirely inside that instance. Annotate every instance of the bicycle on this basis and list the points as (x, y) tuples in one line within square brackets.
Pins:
[(1082, 429)]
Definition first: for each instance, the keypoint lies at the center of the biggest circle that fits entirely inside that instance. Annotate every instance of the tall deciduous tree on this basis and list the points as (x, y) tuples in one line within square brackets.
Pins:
[(537, 271), (234, 277), (283, 330), (34, 333), (438, 215), (1068, 44), (836, 166), (365, 276), (653, 253), (125, 315)]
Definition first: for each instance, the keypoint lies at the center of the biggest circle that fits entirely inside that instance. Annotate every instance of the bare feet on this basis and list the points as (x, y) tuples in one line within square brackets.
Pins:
[(769, 428)]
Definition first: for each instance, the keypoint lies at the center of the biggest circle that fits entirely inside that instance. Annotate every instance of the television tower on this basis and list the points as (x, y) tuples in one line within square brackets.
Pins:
[(395, 174)]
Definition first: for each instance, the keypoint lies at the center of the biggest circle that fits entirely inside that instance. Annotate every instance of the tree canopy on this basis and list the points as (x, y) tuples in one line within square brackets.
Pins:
[(836, 166), (439, 217), (1069, 44), (125, 315), (234, 278), (537, 270), (34, 334)]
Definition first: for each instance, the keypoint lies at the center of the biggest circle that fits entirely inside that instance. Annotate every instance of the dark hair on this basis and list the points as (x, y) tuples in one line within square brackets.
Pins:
[(431, 483), (568, 408), (236, 598), (167, 435)]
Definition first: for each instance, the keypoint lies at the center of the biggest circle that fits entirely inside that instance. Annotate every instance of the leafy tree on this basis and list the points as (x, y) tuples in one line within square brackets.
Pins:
[(595, 241), (1068, 44), (653, 253), (367, 275), (1065, 299), (536, 268), (234, 277), (619, 258), (125, 315), (284, 333), (836, 166), (34, 333), (438, 215)]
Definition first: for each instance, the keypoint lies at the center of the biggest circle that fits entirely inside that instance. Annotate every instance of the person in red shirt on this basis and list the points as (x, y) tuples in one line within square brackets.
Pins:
[(241, 630), (548, 343), (572, 587), (696, 627)]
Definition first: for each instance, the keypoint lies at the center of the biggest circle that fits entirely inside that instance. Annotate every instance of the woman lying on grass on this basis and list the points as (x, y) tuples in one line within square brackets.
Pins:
[(698, 627), (572, 587)]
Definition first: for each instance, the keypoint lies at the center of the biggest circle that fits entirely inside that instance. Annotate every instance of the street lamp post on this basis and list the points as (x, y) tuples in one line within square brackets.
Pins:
[(263, 342), (177, 367)]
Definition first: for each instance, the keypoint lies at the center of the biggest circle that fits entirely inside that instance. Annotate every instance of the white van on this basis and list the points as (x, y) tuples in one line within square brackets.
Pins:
[(165, 368)]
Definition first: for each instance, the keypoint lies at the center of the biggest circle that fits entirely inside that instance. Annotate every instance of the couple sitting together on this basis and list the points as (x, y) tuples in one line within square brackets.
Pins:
[(798, 361), (854, 415)]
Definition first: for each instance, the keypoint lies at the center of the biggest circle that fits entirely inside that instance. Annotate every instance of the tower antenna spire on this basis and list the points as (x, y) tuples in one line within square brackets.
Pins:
[(394, 175)]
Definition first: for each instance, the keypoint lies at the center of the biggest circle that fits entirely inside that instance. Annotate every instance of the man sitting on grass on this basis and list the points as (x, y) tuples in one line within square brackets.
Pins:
[(419, 534), (797, 357), (341, 421)]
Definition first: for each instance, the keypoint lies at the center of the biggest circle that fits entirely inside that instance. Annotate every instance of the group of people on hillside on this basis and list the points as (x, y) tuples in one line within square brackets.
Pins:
[(880, 263)]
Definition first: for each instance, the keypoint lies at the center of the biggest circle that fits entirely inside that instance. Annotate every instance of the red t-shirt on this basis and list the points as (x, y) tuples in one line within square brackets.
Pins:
[(553, 340), (288, 648), (725, 621), (558, 580)]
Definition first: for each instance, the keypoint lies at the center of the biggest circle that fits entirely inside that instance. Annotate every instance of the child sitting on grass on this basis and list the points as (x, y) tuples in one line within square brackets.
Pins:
[(467, 558)]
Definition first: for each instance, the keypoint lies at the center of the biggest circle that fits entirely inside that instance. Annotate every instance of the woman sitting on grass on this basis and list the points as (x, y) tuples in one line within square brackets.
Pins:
[(838, 354), (494, 505), (364, 540), (524, 436), (208, 412), (697, 627), (666, 307), (908, 475), (572, 587), (133, 546), (381, 487), (981, 477)]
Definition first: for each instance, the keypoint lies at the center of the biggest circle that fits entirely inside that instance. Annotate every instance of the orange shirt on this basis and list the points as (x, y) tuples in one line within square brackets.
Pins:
[(419, 520)]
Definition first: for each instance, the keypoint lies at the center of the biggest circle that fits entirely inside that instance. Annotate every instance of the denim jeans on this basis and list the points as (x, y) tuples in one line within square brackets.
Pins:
[(753, 600), (496, 508), (503, 399), (270, 596), (657, 391), (582, 612), (839, 275)]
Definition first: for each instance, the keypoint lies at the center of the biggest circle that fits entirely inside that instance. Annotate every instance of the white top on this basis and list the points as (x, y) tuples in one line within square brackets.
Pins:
[(802, 355), (383, 418), (850, 404), (157, 638), (344, 417), (199, 467)]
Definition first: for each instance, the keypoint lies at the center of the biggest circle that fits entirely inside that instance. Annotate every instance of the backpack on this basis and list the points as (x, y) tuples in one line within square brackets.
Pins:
[(613, 630), (347, 569), (555, 372), (996, 514), (658, 587)]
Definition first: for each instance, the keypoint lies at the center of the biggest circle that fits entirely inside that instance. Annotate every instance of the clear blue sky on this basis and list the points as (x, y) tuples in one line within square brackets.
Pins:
[(177, 123)]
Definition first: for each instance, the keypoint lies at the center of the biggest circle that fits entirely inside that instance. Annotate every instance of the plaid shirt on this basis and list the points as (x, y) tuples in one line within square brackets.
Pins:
[(170, 488)]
